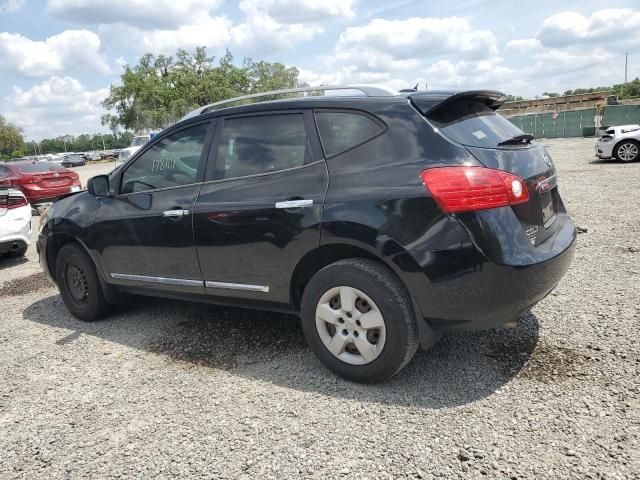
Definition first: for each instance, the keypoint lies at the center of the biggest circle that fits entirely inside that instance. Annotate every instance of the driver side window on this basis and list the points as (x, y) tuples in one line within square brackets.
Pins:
[(171, 162)]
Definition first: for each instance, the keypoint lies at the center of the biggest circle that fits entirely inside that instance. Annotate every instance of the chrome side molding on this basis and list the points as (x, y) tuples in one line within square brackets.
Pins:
[(163, 280), (237, 286), (191, 283)]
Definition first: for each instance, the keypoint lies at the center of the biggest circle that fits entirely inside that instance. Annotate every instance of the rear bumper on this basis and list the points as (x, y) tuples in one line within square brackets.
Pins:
[(463, 289), (42, 195), (15, 229)]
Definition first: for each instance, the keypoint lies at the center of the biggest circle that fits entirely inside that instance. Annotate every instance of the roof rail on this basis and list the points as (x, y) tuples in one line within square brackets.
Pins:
[(368, 90)]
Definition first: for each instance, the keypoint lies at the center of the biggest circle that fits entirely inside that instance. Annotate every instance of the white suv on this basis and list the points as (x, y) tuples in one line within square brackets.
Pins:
[(137, 143), (621, 143)]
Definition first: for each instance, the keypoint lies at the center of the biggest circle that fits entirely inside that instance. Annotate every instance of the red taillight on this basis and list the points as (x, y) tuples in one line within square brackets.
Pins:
[(13, 202), (466, 189), (26, 179)]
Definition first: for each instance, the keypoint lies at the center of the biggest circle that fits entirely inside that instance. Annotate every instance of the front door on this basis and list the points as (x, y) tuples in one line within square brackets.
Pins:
[(144, 234), (261, 211)]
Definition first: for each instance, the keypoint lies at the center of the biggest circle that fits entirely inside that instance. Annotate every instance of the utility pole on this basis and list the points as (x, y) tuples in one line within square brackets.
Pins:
[(626, 64)]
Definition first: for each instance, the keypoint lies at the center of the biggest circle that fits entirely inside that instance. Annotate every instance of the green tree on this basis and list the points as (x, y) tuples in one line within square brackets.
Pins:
[(159, 90), (11, 138)]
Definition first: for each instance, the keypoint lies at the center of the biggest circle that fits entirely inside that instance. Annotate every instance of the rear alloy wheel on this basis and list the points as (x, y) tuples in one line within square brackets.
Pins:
[(350, 325), (79, 285), (359, 320), (627, 151)]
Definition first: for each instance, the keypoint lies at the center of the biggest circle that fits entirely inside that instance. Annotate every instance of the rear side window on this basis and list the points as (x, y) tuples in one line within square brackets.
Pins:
[(262, 144), (4, 172), (39, 167), (473, 123), (340, 131)]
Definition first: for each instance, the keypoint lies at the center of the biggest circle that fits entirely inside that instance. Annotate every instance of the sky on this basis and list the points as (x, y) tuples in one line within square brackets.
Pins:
[(59, 57)]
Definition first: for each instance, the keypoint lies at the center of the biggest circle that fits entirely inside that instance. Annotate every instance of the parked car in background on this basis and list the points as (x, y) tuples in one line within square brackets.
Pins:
[(382, 220), (15, 222), (92, 155), (621, 142), (74, 160), (39, 181), (136, 143)]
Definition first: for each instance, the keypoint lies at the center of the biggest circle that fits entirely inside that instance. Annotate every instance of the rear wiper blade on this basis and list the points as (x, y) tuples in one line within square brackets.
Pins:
[(523, 139)]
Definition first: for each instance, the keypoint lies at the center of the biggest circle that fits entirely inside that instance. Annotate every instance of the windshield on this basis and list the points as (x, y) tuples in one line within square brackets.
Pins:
[(39, 167), (139, 141), (473, 123)]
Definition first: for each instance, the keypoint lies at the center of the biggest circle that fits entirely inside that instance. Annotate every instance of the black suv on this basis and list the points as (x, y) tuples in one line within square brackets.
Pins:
[(381, 219)]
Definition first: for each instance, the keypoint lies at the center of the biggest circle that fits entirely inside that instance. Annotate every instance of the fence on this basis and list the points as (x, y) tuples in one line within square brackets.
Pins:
[(575, 123)]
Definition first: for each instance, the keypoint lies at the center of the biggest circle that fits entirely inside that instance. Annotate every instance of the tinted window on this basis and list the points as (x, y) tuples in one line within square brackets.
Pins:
[(262, 144), (473, 123), (171, 162), (340, 131), (4, 172), (38, 167)]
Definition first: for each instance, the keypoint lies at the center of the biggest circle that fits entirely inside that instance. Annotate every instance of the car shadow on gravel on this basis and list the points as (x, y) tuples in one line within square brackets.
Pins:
[(461, 368), (7, 261)]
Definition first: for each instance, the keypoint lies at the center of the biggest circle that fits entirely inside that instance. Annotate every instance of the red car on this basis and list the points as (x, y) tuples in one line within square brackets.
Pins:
[(39, 181)]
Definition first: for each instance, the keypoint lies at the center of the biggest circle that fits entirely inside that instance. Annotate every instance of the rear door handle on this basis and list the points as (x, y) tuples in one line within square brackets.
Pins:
[(294, 204), (175, 213)]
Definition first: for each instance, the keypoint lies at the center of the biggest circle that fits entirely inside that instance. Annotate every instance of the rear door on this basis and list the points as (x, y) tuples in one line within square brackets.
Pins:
[(260, 211), (144, 232)]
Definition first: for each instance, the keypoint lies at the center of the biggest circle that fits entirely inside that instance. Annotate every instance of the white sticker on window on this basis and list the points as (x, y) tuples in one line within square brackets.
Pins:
[(479, 134)]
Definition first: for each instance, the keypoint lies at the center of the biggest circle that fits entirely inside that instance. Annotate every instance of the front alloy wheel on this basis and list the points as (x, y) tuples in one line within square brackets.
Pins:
[(627, 151)]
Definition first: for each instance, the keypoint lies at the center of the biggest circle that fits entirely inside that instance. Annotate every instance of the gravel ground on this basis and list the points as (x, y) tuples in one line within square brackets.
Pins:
[(166, 389)]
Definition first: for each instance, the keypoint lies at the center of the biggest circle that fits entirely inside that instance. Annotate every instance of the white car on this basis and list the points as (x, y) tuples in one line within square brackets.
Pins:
[(136, 144), (15, 223), (621, 143)]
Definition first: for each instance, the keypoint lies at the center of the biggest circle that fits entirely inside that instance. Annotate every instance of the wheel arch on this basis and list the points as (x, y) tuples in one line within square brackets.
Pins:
[(59, 240), (315, 260)]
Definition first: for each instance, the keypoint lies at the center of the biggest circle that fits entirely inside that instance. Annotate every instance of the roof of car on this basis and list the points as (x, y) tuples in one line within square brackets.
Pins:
[(427, 100)]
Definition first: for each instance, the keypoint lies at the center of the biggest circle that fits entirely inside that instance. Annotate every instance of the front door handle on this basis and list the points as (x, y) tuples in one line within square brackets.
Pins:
[(175, 213), (294, 204)]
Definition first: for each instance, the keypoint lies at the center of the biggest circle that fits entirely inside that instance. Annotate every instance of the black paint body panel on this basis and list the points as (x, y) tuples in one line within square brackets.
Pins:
[(471, 270)]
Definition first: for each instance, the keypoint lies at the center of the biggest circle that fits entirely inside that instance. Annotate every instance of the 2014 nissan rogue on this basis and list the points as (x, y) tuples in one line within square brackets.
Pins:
[(382, 218)]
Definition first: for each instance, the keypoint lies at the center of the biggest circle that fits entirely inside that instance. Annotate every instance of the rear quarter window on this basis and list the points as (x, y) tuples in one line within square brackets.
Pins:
[(39, 167), (341, 131)]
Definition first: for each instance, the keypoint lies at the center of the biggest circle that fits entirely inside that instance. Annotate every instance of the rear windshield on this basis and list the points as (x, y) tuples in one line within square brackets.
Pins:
[(473, 123), (39, 167)]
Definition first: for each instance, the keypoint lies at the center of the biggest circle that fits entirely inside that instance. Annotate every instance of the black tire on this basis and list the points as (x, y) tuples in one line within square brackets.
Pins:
[(623, 155), (392, 299), (79, 286), (20, 252)]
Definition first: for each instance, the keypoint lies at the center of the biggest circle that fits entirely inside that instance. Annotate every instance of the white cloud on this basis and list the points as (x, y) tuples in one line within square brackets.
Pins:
[(10, 6), (262, 35), (69, 50), (299, 11), (213, 32), (144, 14), (607, 25), (418, 38), (56, 106), (524, 45)]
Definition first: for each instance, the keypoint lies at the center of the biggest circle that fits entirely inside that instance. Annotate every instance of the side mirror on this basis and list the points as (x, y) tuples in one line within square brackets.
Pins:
[(99, 186)]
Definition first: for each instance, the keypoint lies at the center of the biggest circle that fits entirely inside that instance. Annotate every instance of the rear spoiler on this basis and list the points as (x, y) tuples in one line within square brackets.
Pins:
[(429, 102)]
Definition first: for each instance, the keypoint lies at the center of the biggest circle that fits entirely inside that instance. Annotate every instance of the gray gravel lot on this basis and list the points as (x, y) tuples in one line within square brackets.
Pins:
[(165, 389)]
